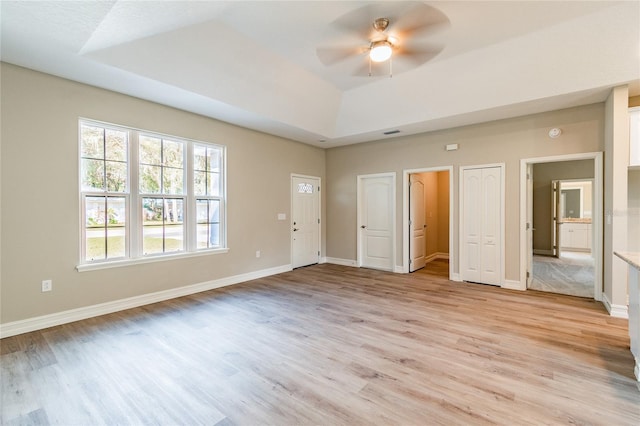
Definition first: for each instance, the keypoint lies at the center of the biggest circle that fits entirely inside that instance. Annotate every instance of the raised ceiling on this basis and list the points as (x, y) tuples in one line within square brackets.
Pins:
[(255, 64)]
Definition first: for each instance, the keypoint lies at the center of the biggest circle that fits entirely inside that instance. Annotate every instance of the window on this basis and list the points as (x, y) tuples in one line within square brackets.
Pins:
[(146, 195)]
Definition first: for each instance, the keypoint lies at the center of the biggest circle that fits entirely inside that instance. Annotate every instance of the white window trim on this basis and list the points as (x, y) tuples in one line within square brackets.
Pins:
[(84, 267), (133, 243)]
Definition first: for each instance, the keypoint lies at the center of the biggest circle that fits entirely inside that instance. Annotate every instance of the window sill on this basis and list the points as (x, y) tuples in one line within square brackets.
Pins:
[(162, 258)]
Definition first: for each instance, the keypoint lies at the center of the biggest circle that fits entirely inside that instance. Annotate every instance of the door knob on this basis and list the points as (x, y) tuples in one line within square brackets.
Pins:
[(363, 226), (295, 229)]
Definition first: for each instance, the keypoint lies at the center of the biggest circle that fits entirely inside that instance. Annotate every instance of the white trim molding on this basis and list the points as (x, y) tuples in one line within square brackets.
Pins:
[(405, 216), (343, 262), (64, 317), (597, 219), (514, 285), (616, 311)]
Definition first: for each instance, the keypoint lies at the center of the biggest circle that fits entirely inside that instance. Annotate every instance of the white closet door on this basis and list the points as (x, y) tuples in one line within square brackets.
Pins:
[(376, 207), (482, 225), (471, 261)]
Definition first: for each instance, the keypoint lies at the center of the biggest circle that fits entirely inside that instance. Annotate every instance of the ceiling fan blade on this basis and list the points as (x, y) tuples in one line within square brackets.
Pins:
[(333, 55), (421, 19), (418, 55), (358, 22)]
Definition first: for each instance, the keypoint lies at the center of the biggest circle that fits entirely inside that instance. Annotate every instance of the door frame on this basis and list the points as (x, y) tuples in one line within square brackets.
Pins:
[(405, 216), (296, 175), (596, 214), (502, 167), (359, 210)]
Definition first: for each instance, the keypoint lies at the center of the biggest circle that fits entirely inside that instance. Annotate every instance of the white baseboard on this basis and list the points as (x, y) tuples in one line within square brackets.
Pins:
[(343, 262), (543, 252), (513, 285), (64, 317), (437, 255), (617, 311), (398, 269), (456, 277)]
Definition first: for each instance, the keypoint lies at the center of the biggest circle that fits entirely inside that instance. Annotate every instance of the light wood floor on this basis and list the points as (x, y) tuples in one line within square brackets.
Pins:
[(330, 345)]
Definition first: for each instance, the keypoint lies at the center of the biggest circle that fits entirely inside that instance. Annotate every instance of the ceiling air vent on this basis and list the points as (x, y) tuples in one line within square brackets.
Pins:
[(391, 132)]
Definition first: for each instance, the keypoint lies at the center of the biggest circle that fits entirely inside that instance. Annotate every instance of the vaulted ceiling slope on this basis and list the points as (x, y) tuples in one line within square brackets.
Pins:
[(255, 64)]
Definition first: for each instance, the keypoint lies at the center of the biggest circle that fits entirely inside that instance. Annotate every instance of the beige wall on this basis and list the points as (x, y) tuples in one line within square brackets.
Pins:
[(40, 202), (505, 141), (443, 212), (634, 210), (616, 162), (543, 174), (431, 212)]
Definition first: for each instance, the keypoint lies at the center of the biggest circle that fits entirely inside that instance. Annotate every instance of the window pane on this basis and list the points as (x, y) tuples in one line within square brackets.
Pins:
[(116, 176), (95, 237), (174, 240), (172, 154), (200, 183), (150, 179), (150, 150), (172, 180), (208, 218), (116, 145), (163, 229), (199, 158), (92, 175), (116, 227), (153, 226), (214, 160), (214, 184), (92, 141)]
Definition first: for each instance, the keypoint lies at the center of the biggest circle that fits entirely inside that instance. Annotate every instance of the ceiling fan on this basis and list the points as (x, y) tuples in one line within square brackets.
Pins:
[(392, 32)]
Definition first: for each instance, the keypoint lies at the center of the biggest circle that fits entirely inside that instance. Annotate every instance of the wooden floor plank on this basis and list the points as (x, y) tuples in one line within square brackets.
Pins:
[(330, 344)]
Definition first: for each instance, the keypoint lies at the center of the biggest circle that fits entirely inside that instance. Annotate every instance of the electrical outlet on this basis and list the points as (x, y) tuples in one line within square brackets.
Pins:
[(257, 253), (47, 285)]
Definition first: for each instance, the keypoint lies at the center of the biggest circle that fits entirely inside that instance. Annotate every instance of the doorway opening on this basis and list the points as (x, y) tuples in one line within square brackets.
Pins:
[(564, 224), (427, 221)]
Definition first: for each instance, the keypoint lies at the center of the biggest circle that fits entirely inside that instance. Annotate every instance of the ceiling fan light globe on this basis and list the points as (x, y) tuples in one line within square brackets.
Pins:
[(380, 51)]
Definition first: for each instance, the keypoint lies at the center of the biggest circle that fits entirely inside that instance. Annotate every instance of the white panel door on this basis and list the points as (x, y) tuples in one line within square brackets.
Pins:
[(472, 232), (481, 259), (305, 221), (417, 225), (491, 225), (376, 222)]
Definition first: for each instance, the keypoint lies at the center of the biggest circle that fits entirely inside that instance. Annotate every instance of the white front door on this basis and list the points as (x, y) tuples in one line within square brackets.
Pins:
[(417, 225), (305, 221), (481, 259), (376, 221)]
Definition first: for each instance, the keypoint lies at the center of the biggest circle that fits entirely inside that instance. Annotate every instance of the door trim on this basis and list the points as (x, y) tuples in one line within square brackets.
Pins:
[(596, 215), (502, 167), (405, 216), (360, 178), (296, 175)]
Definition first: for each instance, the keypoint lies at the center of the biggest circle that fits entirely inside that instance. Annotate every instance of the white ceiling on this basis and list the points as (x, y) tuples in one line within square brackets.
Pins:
[(254, 63)]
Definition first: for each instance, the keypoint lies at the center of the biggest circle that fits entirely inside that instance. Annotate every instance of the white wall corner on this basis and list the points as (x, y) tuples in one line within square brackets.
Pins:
[(616, 311), (343, 262), (399, 269), (513, 285), (64, 317)]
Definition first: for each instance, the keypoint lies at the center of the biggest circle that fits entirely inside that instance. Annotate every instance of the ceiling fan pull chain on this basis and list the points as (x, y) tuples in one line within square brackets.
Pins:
[(369, 66), (390, 67)]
